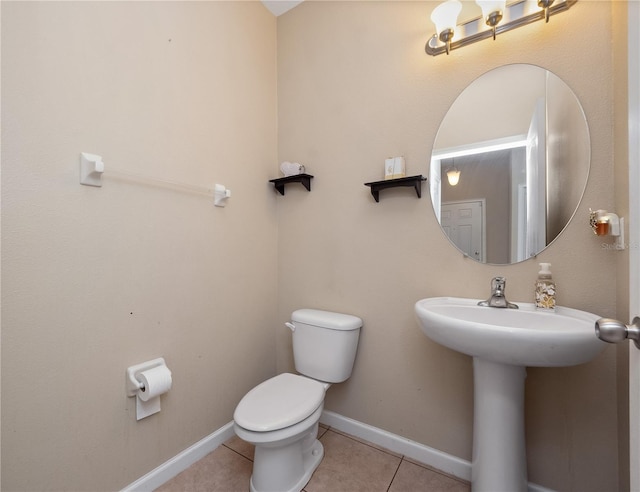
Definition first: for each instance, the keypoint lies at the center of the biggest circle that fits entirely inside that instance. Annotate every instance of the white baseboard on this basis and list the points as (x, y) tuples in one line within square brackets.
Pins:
[(439, 460), (183, 460), (444, 462)]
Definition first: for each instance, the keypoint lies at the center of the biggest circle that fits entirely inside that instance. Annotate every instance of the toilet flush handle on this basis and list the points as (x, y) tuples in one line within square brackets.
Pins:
[(291, 326)]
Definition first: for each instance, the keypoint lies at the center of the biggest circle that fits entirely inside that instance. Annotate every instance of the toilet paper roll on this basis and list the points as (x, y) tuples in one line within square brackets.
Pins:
[(156, 381)]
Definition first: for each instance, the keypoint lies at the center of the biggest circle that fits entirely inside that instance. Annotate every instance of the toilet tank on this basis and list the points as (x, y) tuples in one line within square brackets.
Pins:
[(325, 344)]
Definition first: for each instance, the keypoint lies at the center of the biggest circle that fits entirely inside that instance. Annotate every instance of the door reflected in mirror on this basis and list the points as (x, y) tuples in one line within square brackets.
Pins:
[(510, 164)]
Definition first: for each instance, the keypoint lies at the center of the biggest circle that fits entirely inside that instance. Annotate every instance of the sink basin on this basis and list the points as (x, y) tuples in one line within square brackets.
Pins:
[(524, 337), (502, 343)]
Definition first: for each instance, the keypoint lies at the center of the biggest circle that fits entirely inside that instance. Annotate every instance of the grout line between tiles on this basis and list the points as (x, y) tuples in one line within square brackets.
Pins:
[(390, 453), (435, 470), (402, 457), (240, 454), (394, 475)]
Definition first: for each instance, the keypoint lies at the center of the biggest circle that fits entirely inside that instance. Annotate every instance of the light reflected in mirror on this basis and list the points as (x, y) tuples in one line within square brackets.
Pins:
[(518, 140)]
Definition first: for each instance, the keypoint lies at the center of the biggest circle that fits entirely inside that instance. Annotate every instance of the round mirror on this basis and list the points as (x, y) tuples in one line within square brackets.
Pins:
[(510, 164)]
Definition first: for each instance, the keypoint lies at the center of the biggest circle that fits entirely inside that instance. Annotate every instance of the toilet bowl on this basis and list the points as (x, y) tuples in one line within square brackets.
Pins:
[(280, 416)]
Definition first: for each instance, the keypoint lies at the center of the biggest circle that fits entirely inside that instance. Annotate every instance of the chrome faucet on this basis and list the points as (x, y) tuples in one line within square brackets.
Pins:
[(498, 299)]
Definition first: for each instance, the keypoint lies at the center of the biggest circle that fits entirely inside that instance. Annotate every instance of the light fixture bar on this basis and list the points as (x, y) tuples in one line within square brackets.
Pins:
[(476, 30)]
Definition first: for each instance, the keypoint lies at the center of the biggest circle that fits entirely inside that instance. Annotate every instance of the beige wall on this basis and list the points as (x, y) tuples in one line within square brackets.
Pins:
[(97, 279), (355, 86)]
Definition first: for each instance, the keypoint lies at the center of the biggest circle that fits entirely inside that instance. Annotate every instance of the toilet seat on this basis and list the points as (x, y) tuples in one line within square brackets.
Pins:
[(279, 402)]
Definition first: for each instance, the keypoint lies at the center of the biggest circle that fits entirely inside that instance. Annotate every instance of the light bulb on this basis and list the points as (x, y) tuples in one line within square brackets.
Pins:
[(445, 16), (453, 176), (492, 11)]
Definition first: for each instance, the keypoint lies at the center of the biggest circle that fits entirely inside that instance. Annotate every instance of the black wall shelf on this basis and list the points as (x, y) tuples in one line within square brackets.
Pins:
[(305, 179), (414, 181)]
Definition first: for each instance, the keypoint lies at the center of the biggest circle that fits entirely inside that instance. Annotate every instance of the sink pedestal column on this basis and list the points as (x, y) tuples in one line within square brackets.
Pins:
[(499, 460)]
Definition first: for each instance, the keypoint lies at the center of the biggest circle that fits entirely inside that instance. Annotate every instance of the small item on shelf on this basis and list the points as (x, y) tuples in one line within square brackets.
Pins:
[(389, 164), (291, 168), (394, 168), (398, 168)]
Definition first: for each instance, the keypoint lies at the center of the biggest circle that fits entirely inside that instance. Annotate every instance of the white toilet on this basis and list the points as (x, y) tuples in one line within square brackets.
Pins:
[(280, 416)]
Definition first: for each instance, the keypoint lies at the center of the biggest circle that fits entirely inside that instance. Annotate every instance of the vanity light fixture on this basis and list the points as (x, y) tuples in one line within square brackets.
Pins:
[(492, 11), (496, 14), (453, 176), (545, 4), (445, 17)]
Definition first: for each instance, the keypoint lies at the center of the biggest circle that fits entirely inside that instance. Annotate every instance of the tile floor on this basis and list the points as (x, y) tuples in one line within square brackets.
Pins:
[(349, 465)]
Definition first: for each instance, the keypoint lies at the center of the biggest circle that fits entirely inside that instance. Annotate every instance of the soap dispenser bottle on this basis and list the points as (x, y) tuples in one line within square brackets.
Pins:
[(545, 294)]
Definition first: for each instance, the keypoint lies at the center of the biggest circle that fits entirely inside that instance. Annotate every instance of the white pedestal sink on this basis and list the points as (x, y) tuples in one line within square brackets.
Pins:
[(502, 343)]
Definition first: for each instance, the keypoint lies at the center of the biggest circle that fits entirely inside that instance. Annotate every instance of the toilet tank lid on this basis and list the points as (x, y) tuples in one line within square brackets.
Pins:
[(327, 319)]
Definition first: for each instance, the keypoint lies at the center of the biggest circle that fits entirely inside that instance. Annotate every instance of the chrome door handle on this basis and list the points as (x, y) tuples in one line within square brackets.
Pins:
[(614, 331)]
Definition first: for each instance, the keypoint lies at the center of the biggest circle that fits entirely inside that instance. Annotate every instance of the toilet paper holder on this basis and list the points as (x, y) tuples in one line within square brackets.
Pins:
[(133, 385)]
